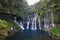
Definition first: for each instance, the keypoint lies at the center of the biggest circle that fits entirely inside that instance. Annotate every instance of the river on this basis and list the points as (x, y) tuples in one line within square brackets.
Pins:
[(31, 35)]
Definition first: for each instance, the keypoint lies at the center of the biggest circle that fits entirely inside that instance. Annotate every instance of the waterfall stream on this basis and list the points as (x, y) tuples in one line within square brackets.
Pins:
[(52, 19), (28, 22), (39, 22), (21, 25), (34, 19), (46, 21)]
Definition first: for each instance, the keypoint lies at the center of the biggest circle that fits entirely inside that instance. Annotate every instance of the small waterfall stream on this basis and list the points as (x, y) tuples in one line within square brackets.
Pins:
[(53, 25), (46, 21), (28, 22), (34, 26), (21, 25)]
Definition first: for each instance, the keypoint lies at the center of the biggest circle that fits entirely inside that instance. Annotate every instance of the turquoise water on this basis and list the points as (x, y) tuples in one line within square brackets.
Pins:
[(29, 35)]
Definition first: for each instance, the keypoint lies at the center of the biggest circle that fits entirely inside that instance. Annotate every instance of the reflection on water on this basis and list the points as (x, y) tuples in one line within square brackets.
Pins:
[(30, 35)]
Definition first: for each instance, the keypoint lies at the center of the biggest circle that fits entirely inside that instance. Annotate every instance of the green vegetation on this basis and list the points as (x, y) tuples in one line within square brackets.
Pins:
[(5, 28), (13, 24), (21, 9), (56, 31), (5, 25)]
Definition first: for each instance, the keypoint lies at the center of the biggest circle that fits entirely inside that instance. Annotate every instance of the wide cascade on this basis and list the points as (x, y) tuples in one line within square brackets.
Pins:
[(33, 19), (33, 22)]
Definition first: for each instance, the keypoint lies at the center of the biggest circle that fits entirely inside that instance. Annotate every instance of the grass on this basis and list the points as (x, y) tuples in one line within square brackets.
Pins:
[(56, 31)]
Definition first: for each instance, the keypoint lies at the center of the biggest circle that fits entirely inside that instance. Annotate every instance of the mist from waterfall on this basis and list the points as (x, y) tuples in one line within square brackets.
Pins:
[(48, 22)]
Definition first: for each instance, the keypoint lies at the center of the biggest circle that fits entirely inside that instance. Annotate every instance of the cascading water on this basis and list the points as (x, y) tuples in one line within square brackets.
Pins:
[(46, 21), (15, 19), (39, 22), (34, 26), (28, 22), (52, 19), (35, 18), (21, 25), (31, 19)]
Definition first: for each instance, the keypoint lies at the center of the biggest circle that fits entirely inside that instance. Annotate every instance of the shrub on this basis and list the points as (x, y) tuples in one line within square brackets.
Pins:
[(3, 25)]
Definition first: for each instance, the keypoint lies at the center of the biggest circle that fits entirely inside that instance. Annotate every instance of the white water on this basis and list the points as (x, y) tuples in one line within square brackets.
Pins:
[(34, 26), (46, 21), (15, 19), (21, 25), (33, 19), (52, 20), (39, 22), (28, 22)]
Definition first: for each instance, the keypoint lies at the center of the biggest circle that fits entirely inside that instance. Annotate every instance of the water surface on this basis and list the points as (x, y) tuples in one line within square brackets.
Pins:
[(31, 35)]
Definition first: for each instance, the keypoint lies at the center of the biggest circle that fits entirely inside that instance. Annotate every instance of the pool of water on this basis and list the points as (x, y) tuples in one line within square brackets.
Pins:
[(30, 35)]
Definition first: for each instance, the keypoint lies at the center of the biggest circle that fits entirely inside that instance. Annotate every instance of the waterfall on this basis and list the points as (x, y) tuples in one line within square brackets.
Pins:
[(39, 22), (28, 22), (52, 19), (21, 25), (35, 18), (46, 21), (15, 19), (34, 26)]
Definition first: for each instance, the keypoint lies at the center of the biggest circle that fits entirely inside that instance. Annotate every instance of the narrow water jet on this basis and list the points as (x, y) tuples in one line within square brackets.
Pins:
[(46, 21), (34, 26), (39, 22), (20, 25), (15, 19), (28, 22), (52, 20), (35, 18)]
